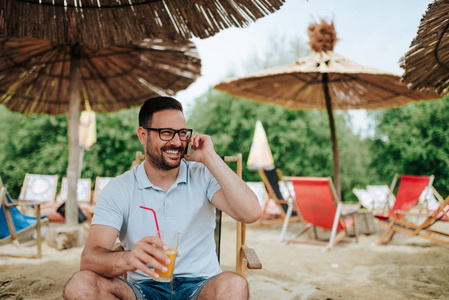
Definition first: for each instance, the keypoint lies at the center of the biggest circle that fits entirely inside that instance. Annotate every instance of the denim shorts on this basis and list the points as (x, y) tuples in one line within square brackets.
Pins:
[(181, 288)]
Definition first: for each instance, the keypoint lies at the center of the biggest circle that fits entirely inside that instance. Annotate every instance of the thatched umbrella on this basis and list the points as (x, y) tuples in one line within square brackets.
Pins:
[(324, 80), (111, 22), (426, 64), (38, 76)]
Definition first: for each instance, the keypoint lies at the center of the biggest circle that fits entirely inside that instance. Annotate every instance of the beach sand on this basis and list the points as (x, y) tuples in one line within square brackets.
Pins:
[(407, 268)]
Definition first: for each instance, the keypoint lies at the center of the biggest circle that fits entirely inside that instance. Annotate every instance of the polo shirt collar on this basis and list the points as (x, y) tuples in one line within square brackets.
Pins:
[(144, 182)]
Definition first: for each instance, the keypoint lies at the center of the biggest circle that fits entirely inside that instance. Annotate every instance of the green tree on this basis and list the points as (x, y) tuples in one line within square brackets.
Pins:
[(413, 139), (39, 144), (299, 140)]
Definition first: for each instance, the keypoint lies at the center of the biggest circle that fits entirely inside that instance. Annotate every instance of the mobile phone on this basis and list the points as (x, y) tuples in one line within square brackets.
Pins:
[(188, 149)]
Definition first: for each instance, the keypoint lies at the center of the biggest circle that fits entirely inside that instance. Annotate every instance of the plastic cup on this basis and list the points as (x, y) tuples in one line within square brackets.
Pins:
[(171, 239)]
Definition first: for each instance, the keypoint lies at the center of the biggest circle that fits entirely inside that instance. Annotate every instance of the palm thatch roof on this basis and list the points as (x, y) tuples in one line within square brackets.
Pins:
[(426, 64), (300, 85), (116, 22), (35, 74)]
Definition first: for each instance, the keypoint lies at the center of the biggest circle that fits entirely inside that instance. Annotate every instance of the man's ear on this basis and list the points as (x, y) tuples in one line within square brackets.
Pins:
[(142, 134)]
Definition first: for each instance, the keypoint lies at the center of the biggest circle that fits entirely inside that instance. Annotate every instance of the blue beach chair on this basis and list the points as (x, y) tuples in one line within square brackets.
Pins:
[(14, 225)]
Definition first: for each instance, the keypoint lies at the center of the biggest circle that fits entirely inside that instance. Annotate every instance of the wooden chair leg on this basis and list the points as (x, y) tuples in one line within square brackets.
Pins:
[(391, 236), (39, 233), (354, 225), (387, 230), (306, 228)]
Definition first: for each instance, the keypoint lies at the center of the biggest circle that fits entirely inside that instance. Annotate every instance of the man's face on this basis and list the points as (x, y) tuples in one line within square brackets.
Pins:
[(166, 155)]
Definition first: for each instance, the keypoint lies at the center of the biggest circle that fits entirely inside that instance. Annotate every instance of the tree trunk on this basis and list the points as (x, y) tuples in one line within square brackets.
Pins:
[(327, 97), (73, 169)]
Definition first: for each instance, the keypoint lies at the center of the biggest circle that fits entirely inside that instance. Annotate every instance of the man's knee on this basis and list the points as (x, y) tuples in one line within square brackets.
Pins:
[(227, 285), (234, 280), (80, 284)]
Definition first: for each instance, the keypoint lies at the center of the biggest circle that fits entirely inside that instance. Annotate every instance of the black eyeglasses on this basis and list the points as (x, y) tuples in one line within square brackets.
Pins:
[(167, 134)]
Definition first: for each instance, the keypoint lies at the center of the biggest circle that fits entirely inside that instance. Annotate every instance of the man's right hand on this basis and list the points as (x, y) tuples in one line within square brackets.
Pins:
[(148, 251), (98, 257)]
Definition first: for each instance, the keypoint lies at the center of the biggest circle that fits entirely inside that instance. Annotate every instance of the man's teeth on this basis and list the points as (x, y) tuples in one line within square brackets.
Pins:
[(172, 152)]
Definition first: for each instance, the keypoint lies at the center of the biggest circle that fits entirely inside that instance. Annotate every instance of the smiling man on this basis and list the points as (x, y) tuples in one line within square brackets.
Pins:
[(184, 192)]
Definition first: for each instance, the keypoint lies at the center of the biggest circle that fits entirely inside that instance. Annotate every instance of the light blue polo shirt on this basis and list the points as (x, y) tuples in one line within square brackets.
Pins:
[(185, 208)]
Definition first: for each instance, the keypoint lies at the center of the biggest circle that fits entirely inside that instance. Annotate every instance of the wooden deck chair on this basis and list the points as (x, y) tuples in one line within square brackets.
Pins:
[(409, 191), (39, 188), (100, 183), (84, 197), (83, 190), (273, 181), (377, 199), (246, 258), (14, 225), (320, 206), (398, 223)]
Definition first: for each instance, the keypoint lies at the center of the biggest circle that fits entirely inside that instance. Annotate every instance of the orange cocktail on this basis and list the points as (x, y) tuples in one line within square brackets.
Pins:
[(171, 240), (168, 276)]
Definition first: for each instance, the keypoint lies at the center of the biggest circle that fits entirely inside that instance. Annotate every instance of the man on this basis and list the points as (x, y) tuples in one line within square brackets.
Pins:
[(183, 191)]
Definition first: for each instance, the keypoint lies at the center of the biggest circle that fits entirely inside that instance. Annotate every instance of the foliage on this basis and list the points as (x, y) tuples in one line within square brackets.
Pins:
[(116, 146), (299, 140), (413, 139), (39, 144)]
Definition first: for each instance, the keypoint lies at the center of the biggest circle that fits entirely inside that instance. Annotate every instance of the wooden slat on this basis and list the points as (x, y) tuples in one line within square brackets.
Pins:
[(252, 258)]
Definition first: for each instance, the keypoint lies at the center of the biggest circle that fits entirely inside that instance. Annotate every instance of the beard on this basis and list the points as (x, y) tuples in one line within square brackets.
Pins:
[(156, 157)]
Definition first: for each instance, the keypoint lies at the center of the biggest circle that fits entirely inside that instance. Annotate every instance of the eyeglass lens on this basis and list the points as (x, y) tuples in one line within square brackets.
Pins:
[(169, 134)]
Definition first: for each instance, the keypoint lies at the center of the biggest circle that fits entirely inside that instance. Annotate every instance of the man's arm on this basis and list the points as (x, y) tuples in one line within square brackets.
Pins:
[(98, 257), (234, 198)]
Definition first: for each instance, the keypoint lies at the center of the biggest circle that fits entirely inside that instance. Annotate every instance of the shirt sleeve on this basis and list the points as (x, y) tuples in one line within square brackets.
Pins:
[(212, 186)]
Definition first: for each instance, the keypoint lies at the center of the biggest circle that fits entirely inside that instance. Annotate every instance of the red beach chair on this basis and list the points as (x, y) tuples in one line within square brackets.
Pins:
[(320, 206)]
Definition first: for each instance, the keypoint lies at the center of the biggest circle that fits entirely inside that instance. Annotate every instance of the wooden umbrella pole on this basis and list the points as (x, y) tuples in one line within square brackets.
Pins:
[(327, 97), (71, 212)]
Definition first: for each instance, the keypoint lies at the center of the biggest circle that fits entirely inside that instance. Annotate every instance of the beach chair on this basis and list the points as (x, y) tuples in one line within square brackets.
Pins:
[(399, 223), (100, 183), (83, 190), (320, 206), (246, 258), (377, 199), (55, 211), (14, 225), (39, 188), (275, 183), (409, 192)]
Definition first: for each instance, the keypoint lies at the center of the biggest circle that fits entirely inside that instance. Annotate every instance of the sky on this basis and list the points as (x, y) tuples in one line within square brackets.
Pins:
[(375, 33)]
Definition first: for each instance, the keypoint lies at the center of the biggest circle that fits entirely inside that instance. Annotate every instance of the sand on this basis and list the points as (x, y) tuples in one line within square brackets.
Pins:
[(407, 268)]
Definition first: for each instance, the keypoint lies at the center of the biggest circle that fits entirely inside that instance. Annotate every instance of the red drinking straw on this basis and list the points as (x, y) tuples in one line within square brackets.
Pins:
[(155, 219)]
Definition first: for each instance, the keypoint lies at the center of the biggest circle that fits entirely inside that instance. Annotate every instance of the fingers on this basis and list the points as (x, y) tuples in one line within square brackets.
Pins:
[(149, 252), (202, 145)]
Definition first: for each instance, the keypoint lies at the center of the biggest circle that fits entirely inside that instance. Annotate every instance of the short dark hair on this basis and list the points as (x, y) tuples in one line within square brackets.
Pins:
[(156, 104)]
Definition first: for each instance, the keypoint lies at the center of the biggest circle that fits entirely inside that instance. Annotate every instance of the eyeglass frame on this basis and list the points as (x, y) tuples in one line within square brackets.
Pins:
[(174, 132)]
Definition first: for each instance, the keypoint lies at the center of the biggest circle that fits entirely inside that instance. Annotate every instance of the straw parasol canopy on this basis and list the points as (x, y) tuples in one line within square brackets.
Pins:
[(426, 64), (111, 22), (324, 80), (38, 76), (35, 74)]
